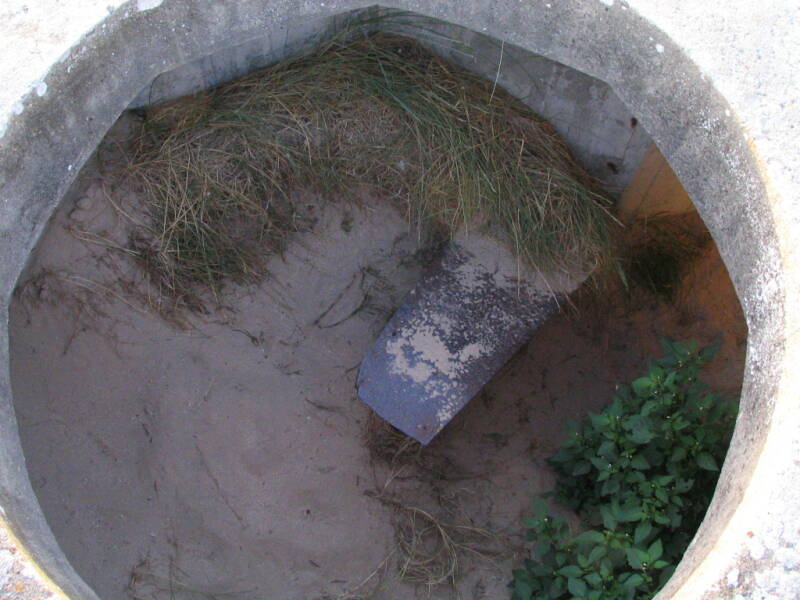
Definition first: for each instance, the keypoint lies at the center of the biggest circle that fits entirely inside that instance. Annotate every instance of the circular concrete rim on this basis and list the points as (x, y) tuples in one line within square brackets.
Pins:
[(748, 531)]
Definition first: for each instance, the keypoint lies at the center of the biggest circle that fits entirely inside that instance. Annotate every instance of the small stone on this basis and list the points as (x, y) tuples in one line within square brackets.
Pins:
[(84, 203), (95, 191), (80, 215)]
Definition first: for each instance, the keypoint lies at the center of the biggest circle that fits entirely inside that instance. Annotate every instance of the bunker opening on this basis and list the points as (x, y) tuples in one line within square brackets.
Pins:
[(187, 336)]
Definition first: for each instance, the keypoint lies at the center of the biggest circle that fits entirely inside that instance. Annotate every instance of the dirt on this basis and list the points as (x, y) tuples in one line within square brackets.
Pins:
[(231, 458)]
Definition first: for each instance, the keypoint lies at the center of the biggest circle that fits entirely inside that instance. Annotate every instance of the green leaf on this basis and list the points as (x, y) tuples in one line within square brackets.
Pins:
[(655, 373), (540, 548), (590, 537), (641, 436), (610, 486), (642, 387), (634, 477), (576, 587), (655, 550), (523, 590), (681, 350), (669, 381), (556, 587), (660, 564), (581, 468), (607, 449), (563, 455), (594, 580), (675, 521), (641, 533), (520, 574), (640, 462), (597, 553), (539, 507), (648, 407), (531, 523), (678, 454), (636, 558), (632, 511), (633, 581), (707, 462), (541, 571), (609, 522), (615, 409), (600, 421), (570, 571)]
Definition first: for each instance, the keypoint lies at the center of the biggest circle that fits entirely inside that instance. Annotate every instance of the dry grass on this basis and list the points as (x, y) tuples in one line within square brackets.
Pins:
[(222, 172), (81, 301), (369, 586), (404, 455), (432, 549), (389, 445), (433, 545)]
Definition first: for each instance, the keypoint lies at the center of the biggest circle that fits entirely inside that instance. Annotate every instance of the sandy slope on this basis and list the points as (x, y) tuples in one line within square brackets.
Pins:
[(228, 460)]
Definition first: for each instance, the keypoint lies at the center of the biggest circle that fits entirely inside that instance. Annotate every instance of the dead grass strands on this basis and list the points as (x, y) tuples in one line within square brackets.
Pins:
[(389, 445), (431, 549), (220, 171), (407, 458)]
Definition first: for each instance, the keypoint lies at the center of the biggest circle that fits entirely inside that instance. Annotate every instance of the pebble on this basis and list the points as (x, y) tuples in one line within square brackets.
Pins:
[(84, 203), (80, 215)]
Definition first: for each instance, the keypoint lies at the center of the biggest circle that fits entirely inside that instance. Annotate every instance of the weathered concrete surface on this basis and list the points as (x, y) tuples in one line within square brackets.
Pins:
[(714, 84), (601, 131), (461, 323), (654, 190)]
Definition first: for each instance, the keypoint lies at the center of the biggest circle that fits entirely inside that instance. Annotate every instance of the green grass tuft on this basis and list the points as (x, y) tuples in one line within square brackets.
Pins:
[(222, 171)]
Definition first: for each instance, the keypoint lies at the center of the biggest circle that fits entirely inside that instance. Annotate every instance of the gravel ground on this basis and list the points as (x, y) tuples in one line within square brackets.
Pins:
[(18, 580)]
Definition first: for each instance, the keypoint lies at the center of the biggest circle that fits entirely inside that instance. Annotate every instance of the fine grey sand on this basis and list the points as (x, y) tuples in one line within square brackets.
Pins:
[(229, 458)]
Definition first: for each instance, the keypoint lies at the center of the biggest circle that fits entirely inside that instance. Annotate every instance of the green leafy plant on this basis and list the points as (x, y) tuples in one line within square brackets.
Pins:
[(640, 474)]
